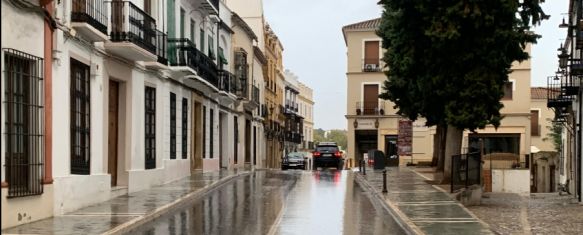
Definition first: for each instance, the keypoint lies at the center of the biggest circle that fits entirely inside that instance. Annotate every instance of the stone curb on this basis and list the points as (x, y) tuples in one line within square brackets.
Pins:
[(400, 218), (151, 215)]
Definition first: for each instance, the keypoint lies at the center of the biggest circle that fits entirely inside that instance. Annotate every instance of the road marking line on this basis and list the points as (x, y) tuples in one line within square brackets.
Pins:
[(277, 222)]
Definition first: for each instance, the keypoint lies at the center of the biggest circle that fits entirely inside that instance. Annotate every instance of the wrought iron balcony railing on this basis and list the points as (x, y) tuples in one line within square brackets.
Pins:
[(92, 12), (182, 52), (227, 81), (372, 65), (556, 96), (370, 108), (129, 23), (255, 94), (162, 47)]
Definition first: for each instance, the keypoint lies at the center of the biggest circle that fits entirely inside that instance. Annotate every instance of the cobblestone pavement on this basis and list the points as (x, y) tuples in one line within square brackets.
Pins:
[(126, 210), (545, 213), (541, 213)]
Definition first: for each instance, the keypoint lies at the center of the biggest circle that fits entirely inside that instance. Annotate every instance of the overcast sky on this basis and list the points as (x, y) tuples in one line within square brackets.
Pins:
[(314, 49)]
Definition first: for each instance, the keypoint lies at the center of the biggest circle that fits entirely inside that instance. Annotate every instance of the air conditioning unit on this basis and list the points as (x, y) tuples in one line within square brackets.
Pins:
[(371, 67)]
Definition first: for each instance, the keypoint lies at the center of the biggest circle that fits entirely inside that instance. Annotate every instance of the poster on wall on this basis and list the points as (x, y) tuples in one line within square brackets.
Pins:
[(405, 137)]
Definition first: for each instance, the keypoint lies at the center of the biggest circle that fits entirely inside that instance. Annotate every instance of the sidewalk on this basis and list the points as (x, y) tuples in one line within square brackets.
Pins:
[(126, 212), (422, 208), (537, 213)]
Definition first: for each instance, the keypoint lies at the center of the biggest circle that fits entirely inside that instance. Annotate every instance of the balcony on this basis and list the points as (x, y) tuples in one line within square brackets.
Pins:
[(184, 57), (370, 108), (556, 96), (227, 82), (372, 65), (212, 8), (242, 91), (89, 18), (161, 52), (133, 33)]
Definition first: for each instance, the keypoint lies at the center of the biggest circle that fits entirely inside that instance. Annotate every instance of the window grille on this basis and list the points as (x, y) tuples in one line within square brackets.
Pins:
[(24, 134), (150, 131), (80, 119), (184, 128), (172, 125)]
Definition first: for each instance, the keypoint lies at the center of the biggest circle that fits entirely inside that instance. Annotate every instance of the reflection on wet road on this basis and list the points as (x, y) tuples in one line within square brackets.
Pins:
[(270, 202)]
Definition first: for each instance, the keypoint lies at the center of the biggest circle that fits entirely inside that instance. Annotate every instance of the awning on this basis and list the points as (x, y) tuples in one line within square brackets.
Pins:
[(534, 149)]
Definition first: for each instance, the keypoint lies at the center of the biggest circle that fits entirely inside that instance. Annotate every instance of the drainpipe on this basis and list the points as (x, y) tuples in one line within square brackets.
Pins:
[(48, 72)]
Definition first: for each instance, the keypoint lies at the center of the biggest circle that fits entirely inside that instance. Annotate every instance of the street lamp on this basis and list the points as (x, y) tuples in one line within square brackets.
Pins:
[(563, 25), (563, 59)]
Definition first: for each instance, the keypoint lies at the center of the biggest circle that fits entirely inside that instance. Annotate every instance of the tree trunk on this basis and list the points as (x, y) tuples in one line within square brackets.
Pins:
[(439, 147), (453, 147)]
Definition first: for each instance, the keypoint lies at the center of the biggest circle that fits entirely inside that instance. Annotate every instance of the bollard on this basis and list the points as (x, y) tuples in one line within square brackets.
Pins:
[(385, 181), (363, 167), (359, 167)]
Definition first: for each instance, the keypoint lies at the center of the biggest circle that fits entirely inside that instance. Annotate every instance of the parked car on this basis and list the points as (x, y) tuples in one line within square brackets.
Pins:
[(294, 160), (327, 154)]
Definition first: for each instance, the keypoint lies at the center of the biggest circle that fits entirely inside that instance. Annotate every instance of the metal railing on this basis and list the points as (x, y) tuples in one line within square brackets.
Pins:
[(466, 170), (372, 65), (162, 47), (182, 52), (555, 97), (129, 23), (227, 81), (370, 108), (93, 12), (255, 94), (23, 83)]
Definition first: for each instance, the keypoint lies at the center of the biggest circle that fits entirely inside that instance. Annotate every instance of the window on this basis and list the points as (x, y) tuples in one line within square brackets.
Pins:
[(204, 131), (24, 120), (150, 131), (371, 56), (495, 143), (211, 136), (80, 118), (192, 24), (202, 40), (534, 126), (182, 13), (211, 47), (172, 125), (508, 87), (236, 139), (184, 128)]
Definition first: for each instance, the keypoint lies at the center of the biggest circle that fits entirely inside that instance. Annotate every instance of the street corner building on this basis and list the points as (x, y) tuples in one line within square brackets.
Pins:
[(373, 123), (105, 98)]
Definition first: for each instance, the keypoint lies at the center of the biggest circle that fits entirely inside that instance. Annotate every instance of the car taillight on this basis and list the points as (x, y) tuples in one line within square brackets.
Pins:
[(316, 154), (338, 154)]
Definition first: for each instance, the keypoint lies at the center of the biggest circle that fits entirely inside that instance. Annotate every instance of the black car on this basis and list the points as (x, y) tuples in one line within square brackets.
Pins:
[(294, 160), (327, 154)]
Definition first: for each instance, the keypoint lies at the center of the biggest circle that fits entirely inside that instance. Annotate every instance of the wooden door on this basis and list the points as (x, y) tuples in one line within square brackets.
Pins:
[(370, 99), (112, 132)]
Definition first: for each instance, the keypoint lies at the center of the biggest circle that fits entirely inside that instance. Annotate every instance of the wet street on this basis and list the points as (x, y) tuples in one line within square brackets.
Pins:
[(272, 202)]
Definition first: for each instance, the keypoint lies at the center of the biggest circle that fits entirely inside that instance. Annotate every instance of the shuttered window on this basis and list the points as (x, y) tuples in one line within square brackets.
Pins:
[(534, 123)]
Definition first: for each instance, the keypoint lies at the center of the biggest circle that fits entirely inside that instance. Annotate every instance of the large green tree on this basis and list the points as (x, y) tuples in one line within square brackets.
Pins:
[(449, 61)]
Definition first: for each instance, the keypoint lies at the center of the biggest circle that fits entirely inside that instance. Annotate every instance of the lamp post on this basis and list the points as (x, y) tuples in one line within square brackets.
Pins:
[(563, 59)]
